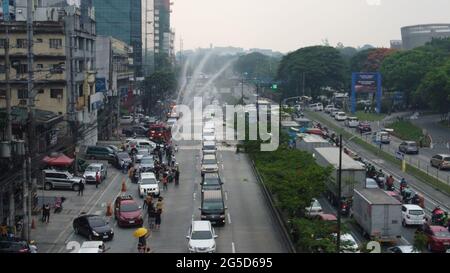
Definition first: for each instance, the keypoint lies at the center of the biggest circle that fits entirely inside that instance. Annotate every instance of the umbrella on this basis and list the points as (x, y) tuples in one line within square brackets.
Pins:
[(140, 232)]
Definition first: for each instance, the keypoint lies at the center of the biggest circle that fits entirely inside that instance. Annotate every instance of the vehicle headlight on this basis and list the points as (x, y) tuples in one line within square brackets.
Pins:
[(213, 246), (222, 216), (112, 230), (95, 233), (203, 216)]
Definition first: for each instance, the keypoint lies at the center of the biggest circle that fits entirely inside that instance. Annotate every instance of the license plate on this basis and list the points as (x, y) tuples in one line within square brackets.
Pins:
[(131, 222), (105, 237)]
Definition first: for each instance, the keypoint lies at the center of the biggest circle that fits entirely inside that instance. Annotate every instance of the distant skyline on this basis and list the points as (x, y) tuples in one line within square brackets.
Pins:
[(286, 25)]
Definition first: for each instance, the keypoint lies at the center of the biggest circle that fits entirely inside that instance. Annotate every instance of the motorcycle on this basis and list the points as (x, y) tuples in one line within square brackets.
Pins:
[(58, 204), (439, 217)]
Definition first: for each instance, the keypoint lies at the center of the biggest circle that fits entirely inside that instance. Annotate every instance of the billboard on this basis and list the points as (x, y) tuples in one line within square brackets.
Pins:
[(369, 83)]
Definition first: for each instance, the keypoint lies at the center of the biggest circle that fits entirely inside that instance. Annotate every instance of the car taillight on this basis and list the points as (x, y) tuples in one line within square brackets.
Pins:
[(23, 250)]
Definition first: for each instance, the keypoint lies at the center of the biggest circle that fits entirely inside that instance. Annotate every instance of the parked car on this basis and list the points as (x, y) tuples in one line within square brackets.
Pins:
[(438, 237), (352, 122), (126, 120), (201, 237), (408, 147), (364, 127), (93, 227), (403, 249), (209, 164), (136, 131), (440, 161), (211, 182), (91, 171), (54, 179), (16, 246), (101, 153), (127, 212), (340, 116), (314, 209), (148, 184), (412, 215)]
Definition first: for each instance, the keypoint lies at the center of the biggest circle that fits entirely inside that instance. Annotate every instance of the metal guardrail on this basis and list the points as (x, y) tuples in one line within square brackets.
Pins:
[(275, 210)]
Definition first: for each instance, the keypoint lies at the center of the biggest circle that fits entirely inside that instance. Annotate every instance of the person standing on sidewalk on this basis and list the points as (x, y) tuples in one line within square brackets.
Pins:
[(80, 189), (47, 213), (97, 180)]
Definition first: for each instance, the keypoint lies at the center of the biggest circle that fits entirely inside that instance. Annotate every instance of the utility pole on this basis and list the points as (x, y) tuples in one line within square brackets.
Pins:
[(338, 236), (8, 86)]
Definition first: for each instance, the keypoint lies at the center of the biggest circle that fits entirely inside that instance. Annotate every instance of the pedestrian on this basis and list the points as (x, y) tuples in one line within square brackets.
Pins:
[(131, 172), (158, 218), (4, 229), (160, 156), (177, 176), (165, 181), (80, 189), (47, 213), (97, 179), (172, 162), (151, 215), (148, 200), (43, 213)]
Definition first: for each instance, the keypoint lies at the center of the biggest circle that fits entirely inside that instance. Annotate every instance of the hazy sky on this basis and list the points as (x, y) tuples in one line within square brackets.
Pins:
[(286, 25)]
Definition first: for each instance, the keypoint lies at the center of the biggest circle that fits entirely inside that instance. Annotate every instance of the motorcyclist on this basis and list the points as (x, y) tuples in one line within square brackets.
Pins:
[(381, 179), (390, 183), (403, 184), (438, 216)]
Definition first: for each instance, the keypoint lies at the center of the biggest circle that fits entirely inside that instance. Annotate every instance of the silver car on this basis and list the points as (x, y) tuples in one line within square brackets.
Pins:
[(408, 147)]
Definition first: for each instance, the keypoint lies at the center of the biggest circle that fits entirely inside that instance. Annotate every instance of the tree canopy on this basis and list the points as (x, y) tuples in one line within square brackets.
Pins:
[(257, 65)]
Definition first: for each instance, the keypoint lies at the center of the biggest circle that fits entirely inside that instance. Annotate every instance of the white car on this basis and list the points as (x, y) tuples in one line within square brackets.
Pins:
[(209, 134), (209, 164), (92, 247), (148, 184), (334, 111), (371, 183), (126, 119), (209, 125), (412, 215), (316, 106), (348, 243), (403, 249), (328, 108), (201, 237), (91, 171), (133, 144), (314, 209), (352, 122), (140, 153), (340, 116)]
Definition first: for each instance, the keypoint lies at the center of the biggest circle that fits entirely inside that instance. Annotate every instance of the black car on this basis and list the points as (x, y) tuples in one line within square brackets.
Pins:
[(211, 181), (139, 131), (93, 227), (364, 127), (122, 158), (14, 246)]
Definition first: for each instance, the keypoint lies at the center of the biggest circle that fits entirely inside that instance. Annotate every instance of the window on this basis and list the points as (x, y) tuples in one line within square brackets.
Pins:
[(22, 94), (40, 66), (80, 90), (22, 69), (81, 43), (41, 91), (21, 43), (55, 43), (56, 69), (80, 66), (2, 68), (2, 43), (39, 40), (2, 93), (56, 93)]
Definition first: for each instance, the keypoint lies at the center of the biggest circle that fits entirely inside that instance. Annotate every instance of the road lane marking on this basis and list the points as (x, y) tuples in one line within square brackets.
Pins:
[(82, 209), (229, 218), (233, 248), (223, 167), (226, 196), (194, 195)]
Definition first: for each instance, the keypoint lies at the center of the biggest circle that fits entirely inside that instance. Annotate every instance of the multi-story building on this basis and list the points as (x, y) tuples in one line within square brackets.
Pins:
[(122, 20), (396, 44), (419, 35), (114, 71), (164, 36)]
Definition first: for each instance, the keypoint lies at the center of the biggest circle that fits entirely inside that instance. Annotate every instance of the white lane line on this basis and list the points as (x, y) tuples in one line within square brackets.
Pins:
[(233, 248), (87, 203), (229, 218), (403, 239), (97, 212), (223, 167), (226, 196), (194, 195)]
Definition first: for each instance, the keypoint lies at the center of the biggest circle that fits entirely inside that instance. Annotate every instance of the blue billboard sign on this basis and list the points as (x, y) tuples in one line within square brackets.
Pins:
[(100, 85), (366, 82)]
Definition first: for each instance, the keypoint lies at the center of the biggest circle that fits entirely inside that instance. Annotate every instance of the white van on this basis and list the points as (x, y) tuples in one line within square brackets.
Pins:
[(316, 106)]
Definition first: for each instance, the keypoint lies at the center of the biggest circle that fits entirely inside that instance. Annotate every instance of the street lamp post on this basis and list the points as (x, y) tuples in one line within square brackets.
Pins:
[(338, 236)]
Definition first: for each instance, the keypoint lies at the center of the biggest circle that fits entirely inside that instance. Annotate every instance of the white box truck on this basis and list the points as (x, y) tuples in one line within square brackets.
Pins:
[(308, 142), (378, 214), (353, 174)]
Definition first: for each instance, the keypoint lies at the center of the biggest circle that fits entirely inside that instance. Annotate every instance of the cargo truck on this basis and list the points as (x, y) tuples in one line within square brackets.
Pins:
[(378, 214), (353, 174)]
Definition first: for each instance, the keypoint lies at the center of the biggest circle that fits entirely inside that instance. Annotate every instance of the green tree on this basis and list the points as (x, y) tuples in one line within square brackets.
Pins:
[(257, 65), (435, 88), (159, 85), (323, 66)]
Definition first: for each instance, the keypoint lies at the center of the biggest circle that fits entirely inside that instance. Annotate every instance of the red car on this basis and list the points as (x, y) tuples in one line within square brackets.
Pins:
[(438, 238), (127, 212), (160, 132), (364, 127)]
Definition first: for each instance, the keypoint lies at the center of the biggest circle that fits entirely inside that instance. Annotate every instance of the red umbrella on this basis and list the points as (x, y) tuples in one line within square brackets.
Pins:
[(59, 161)]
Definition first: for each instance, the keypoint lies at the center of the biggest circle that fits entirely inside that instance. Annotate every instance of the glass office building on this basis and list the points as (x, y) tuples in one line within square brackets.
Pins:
[(122, 20)]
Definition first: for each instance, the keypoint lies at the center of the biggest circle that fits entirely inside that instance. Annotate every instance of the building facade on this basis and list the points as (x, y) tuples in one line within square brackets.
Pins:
[(122, 20), (164, 36), (419, 35)]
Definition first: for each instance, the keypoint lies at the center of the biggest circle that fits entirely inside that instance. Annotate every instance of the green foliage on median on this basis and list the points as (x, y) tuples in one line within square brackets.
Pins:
[(405, 130)]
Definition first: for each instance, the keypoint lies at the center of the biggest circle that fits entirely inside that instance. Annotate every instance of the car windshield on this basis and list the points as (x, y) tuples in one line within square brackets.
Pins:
[(97, 222), (201, 235), (147, 161), (209, 161), (143, 152), (315, 204), (416, 212), (212, 205), (412, 144), (92, 168), (148, 181), (123, 155), (446, 158), (128, 207), (442, 234), (209, 147)]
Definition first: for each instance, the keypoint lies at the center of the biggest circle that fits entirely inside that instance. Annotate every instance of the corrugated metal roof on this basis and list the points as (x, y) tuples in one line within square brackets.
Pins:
[(331, 154)]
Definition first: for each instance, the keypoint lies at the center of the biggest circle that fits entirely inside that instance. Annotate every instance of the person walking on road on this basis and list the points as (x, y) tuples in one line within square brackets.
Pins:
[(47, 213), (158, 218), (80, 189), (97, 180), (44, 213), (177, 176), (165, 181)]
